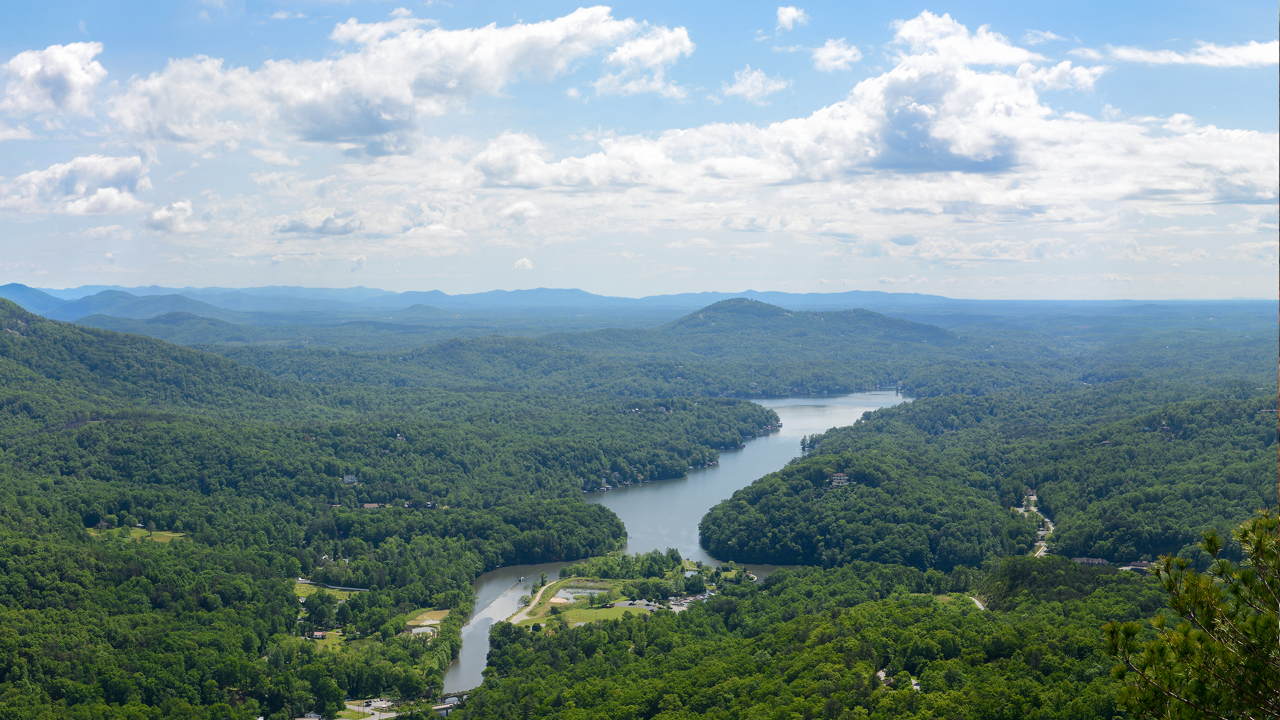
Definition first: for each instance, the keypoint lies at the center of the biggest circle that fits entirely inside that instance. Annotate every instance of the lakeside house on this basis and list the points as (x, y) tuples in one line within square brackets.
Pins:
[(1090, 561), (348, 479), (839, 480)]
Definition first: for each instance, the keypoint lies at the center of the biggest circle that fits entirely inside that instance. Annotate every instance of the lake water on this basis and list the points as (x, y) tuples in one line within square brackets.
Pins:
[(665, 514)]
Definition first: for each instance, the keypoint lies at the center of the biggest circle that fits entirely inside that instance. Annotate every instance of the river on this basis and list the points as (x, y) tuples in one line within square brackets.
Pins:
[(665, 514)]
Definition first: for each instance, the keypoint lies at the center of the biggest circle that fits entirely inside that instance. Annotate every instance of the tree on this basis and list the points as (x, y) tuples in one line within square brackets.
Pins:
[(1222, 660)]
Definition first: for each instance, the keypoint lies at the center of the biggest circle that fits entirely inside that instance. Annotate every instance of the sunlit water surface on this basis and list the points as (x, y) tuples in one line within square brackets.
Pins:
[(665, 514)]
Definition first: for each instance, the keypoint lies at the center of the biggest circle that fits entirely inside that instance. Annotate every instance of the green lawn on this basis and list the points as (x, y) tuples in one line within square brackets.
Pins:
[(305, 590), (428, 617), (353, 714)]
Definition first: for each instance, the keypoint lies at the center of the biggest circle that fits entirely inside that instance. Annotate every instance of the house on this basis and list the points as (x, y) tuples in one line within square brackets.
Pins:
[(370, 506), (1139, 566), (348, 479), (1090, 561), (839, 480), (319, 635)]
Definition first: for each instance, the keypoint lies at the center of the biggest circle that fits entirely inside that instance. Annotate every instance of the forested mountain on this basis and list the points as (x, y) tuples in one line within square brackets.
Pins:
[(107, 440), (158, 502)]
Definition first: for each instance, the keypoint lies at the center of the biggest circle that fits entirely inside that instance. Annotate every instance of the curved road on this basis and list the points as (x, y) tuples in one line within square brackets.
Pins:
[(523, 613)]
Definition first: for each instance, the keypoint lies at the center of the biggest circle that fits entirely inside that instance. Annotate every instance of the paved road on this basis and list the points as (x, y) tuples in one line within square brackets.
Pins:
[(374, 714)]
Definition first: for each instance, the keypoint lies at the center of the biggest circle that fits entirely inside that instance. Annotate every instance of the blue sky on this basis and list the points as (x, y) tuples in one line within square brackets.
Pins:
[(1021, 150)]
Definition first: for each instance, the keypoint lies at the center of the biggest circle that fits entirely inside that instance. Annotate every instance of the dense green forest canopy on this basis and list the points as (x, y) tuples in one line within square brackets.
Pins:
[(933, 483), (159, 502), (180, 494), (811, 643)]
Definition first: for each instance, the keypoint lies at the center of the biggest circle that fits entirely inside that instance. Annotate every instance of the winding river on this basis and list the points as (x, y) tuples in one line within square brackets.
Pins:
[(665, 514)]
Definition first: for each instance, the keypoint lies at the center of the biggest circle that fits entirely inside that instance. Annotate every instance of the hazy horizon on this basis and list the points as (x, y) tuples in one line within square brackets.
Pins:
[(971, 150)]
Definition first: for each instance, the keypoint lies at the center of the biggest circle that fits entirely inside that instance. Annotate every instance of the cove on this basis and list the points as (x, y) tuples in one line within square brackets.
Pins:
[(666, 513)]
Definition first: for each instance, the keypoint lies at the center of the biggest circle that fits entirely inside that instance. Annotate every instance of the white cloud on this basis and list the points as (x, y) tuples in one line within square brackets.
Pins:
[(331, 225), (643, 61), (1039, 37), (15, 133), (937, 39), (908, 280), (107, 232), (59, 78), (754, 85), (932, 147), (1061, 76), (835, 55), (396, 73), (286, 15), (275, 157), (698, 242), (174, 218), (1251, 54), (524, 264), (1265, 251), (90, 185), (521, 211), (789, 17)]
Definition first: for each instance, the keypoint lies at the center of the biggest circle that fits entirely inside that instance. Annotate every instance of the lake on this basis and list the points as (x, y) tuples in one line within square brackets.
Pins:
[(665, 514)]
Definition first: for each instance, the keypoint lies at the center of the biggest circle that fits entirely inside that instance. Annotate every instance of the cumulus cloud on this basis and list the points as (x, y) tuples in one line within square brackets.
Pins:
[(524, 264), (59, 78), (1251, 54), (941, 142), (754, 85), (835, 55), (175, 217), (1061, 76), (643, 61), (90, 185), (394, 74), (789, 17), (520, 211), (936, 40), (331, 225)]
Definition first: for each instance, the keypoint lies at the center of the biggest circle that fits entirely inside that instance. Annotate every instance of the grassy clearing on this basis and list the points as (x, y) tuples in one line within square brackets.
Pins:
[(353, 714), (163, 536), (428, 617), (332, 638), (305, 590)]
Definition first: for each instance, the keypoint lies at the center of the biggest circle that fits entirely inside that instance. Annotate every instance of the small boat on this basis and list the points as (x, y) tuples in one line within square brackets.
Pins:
[(521, 578)]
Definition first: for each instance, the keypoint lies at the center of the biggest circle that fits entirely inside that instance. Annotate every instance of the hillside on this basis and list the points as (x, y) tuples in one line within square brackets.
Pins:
[(173, 497)]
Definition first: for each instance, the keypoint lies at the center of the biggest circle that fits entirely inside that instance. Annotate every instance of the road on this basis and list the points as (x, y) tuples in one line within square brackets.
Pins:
[(523, 613), (358, 706), (1042, 546)]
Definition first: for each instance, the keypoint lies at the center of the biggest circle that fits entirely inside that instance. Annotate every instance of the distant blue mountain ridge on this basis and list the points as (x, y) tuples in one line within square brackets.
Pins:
[(276, 305)]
